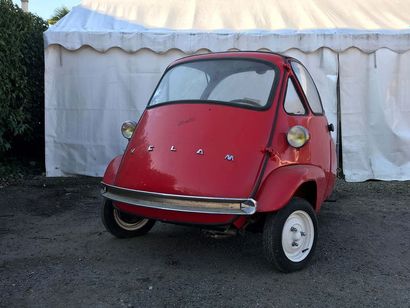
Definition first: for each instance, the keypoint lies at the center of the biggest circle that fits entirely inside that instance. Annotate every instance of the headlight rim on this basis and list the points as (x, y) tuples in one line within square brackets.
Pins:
[(126, 125), (301, 129)]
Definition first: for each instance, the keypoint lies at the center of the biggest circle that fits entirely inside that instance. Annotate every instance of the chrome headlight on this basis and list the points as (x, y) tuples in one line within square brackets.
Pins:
[(297, 136), (127, 129)]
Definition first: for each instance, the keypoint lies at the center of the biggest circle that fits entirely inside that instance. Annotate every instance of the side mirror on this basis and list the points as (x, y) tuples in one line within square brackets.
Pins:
[(330, 127)]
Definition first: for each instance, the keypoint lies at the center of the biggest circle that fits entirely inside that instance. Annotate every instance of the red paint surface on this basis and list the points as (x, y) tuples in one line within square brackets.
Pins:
[(178, 217), (111, 171), (220, 130), (217, 130), (282, 183)]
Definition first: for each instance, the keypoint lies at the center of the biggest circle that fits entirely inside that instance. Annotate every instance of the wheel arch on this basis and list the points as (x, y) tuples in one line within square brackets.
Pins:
[(282, 184), (112, 169), (308, 191)]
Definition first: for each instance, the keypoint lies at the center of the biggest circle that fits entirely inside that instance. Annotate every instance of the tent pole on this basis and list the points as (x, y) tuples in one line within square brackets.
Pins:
[(339, 124)]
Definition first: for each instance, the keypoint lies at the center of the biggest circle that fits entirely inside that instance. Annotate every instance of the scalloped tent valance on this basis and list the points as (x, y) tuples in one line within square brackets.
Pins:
[(218, 25)]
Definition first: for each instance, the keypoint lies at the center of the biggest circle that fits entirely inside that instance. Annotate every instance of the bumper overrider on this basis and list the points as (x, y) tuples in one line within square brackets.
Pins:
[(180, 203)]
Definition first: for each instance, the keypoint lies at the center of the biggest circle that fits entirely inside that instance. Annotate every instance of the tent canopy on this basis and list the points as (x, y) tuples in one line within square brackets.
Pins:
[(218, 25), (103, 59)]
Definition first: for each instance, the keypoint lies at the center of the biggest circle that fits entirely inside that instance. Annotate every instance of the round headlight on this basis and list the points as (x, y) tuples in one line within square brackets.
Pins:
[(297, 136), (127, 129)]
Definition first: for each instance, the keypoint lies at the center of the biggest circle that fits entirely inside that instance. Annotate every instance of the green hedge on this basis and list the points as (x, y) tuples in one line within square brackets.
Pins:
[(21, 77)]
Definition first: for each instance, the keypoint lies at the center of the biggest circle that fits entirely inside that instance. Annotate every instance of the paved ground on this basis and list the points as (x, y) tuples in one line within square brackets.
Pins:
[(54, 252)]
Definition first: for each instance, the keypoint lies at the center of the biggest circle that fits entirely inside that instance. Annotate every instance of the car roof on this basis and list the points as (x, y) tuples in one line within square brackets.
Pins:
[(261, 55)]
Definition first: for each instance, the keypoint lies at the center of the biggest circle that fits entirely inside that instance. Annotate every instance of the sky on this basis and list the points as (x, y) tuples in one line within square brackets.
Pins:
[(45, 8)]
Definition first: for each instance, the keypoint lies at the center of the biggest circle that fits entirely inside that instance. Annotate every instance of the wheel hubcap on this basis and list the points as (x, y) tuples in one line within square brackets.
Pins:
[(297, 236), (129, 222)]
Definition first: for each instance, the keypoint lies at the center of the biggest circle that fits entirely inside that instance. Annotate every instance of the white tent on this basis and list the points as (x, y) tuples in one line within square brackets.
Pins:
[(105, 57)]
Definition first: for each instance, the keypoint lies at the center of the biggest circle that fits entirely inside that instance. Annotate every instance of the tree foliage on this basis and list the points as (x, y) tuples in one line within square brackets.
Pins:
[(21, 76), (58, 14)]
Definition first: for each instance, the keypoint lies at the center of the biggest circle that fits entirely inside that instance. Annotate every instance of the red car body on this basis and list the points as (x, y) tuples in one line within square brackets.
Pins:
[(220, 165)]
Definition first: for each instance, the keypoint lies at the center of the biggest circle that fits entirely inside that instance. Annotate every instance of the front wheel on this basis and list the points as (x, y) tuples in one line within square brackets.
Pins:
[(124, 225), (289, 236)]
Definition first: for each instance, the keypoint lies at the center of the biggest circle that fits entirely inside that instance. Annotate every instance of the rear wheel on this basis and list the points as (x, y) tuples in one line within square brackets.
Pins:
[(289, 236), (124, 225)]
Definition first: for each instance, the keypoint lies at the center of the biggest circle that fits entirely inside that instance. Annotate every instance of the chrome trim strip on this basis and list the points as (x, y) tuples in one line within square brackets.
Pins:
[(180, 203)]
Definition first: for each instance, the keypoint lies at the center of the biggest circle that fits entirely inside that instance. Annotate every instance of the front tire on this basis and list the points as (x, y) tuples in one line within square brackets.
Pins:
[(289, 236), (124, 225)]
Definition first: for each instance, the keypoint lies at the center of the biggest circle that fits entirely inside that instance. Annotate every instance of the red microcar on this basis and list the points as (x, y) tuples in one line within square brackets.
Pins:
[(228, 141)]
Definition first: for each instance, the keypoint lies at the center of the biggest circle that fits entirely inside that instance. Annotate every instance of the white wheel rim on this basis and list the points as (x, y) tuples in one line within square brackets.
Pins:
[(129, 226), (298, 234)]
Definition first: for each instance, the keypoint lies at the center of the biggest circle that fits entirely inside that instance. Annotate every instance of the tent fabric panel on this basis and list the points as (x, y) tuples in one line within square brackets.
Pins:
[(88, 95), (375, 91)]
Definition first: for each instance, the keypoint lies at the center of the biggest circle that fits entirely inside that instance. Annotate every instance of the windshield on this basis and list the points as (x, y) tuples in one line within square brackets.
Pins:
[(240, 82)]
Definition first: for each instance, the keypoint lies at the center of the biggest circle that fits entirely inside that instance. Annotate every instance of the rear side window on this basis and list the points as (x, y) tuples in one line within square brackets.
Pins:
[(293, 104), (309, 87)]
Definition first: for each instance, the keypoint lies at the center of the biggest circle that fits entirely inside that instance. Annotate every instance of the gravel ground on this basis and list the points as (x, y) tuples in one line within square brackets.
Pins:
[(54, 252)]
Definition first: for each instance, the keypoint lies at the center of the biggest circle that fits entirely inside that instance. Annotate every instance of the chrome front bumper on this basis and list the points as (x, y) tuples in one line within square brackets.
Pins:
[(180, 203)]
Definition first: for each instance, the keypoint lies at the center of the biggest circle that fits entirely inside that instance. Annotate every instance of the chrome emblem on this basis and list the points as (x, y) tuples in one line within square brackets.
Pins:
[(229, 157), (132, 150)]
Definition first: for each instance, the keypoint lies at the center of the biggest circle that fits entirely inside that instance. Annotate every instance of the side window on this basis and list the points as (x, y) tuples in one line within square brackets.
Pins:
[(308, 87), (293, 104)]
